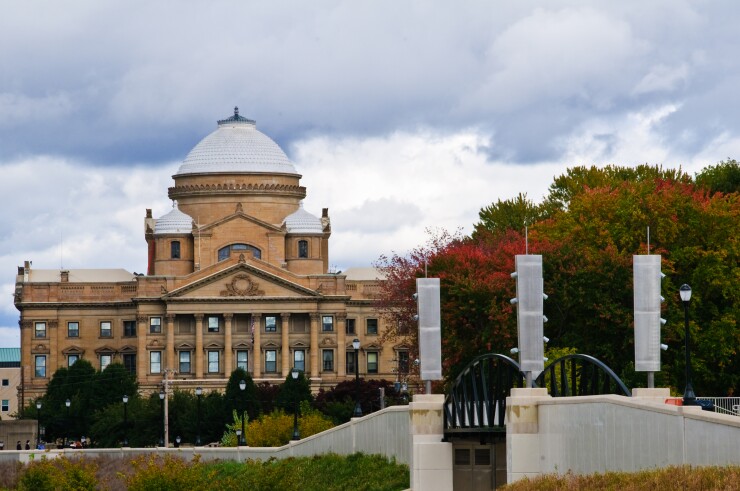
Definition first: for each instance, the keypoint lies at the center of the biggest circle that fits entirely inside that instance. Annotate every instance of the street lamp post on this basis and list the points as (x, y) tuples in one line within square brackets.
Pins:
[(66, 426), (358, 408), (689, 398), (242, 437), (296, 434), (161, 403), (38, 424), (198, 392), (125, 421)]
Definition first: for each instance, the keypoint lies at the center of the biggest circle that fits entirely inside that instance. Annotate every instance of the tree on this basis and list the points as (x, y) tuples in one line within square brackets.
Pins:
[(723, 177), (241, 400), (292, 392), (510, 214)]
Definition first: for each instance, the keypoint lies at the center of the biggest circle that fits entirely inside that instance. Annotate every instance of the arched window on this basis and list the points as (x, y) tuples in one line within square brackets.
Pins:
[(302, 248), (225, 252), (175, 249)]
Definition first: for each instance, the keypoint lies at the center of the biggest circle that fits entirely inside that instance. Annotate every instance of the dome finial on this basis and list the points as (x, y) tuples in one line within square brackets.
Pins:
[(236, 112)]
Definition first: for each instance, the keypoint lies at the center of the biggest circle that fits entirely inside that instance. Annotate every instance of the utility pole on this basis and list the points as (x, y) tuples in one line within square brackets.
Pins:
[(166, 407)]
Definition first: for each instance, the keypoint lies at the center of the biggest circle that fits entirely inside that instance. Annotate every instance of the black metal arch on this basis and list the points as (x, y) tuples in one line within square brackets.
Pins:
[(580, 375), (476, 402)]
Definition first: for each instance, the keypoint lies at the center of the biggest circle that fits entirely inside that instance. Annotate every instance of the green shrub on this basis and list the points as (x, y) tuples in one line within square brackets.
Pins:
[(60, 473), (686, 478), (154, 473)]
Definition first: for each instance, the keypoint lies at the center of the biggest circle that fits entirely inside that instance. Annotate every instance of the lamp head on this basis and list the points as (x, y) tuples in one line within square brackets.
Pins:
[(199, 391), (161, 395), (125, 399), (356, 343), (38, 405), (243, 384), (67, 403), (294, 373), (685, 292)]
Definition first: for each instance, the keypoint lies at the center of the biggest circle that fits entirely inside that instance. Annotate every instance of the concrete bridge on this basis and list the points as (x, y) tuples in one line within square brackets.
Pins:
[(544, 434)]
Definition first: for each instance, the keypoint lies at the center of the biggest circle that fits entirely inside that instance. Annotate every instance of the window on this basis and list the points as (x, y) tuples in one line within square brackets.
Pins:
[(155, 325), (271, 360), (40, 329), (40, 366), (327, 323), (155, 362), (129, 328), (6, 382), (225, 252), (299, 360), (327, 356), (175, 249), (270, 323), (350, 327), (105, 330), (372, 362), (403, 362), (105, 361), (351, 362), (212, 323), (303, 248), (73, 329), (213, 365), (6, 405), (242, 360), (372, 326), (184, 362), (129, 363), (72, 359)]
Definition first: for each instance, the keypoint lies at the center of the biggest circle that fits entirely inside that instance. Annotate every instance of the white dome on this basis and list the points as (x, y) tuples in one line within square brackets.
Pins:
[(236, 147), (302, 222), (174, 222)]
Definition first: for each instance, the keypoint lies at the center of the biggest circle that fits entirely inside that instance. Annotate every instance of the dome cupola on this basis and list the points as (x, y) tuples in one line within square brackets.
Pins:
[(302, 222), (174, 222), (236, 147)]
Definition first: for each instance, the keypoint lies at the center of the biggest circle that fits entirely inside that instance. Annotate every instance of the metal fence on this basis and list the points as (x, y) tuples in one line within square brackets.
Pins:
[(724, 405)]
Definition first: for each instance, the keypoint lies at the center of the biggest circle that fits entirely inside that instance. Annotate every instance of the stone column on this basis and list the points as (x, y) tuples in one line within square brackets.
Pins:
[(228, 351), (314, 344), (141, 354), (285, 351), (170, 326), (256, 345), (522, 433), (341, 345), (431, 458), (199, 345)]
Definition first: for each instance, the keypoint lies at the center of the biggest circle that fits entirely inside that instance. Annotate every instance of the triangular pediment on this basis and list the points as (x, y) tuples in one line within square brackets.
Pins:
[(105, 350), (240, 281), (73, 350)]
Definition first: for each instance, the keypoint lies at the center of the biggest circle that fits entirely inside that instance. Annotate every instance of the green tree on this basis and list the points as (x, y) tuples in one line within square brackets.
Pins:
[(293, 392), (241, 400), (723, 177), (510, 214)]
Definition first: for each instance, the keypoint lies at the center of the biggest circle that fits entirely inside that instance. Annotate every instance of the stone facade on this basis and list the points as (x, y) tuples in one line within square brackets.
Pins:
[(237, 276)]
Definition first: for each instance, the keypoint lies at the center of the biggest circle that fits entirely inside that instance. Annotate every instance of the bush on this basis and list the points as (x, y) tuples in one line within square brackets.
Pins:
[(686, 478), (60, 473), (166, 474)]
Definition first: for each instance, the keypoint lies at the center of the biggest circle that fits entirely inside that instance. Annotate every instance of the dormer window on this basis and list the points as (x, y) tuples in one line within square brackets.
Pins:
[(225, 252), (303, 248)]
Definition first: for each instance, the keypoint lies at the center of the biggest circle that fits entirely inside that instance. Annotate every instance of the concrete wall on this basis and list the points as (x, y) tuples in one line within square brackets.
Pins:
[(613, 433), (385, 432)]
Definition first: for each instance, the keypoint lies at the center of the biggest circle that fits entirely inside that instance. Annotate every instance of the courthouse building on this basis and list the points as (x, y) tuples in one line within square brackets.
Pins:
[(237, 276)]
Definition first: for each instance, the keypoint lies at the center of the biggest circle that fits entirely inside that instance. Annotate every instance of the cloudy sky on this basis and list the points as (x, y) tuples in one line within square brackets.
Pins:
[(400, 115)]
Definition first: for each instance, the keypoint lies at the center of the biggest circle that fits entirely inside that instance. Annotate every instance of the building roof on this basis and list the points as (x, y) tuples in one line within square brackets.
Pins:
[(174, 222), (80, 275), (302, 222), (10, 357), (364, 274), (236, 147)]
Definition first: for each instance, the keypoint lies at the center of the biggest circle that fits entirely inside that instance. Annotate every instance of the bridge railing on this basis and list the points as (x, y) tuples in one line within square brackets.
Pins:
[(724, 405)]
